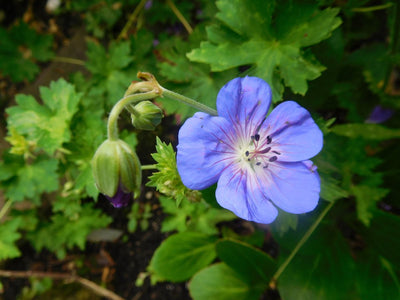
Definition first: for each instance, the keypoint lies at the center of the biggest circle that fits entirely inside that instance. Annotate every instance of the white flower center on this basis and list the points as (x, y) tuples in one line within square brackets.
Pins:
[(257, 152)]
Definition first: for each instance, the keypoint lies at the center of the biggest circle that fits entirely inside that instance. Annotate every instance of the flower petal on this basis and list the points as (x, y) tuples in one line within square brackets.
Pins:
[(244, 101), (121, 198), (292, 186), (202, 150), (241, 194), (294, 133)]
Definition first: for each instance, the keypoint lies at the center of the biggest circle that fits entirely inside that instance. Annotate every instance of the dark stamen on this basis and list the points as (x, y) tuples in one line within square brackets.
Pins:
[(276, 152), (266, 166), (248, 159), (266, 150), (258, 163), (257, 137), (269, 140), (273, 158), (247, 153)]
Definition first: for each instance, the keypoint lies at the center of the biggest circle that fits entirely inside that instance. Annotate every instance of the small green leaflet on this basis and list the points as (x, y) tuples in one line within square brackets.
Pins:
[(47, 125), (167, 180), (274, 49)]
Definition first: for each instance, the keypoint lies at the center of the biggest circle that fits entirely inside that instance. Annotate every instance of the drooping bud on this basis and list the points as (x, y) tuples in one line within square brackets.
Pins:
[(117, 172), (146, 115)]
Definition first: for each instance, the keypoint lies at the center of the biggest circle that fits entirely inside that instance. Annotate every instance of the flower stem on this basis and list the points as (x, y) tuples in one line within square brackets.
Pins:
[(372, 8), (304, 239), (394, 43), (112, 128), (181, 18), (147, 89), (188, 101), (4, 209), (131, 19), (149, 167), (69, 60)]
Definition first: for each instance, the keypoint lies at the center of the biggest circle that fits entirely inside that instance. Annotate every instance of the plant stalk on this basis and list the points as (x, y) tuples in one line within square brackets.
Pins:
[(304, 239), (179, 15), (188, 101), (131, 19)]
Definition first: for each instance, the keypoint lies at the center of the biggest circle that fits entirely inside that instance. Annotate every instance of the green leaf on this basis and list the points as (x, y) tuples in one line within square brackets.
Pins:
[(366, 131), (193, 80), (381, 236), (330, 189), (284, 222), (252, 265), (88, 132), (9, 235), (22, 181), (65, 232), (323, 268), (223, 283), (375, 61), (47, 125), (273, 50), (182, 255), (167, 180), (192, 216), (109, 69), (367, 198), (20, 49), (376, 279)]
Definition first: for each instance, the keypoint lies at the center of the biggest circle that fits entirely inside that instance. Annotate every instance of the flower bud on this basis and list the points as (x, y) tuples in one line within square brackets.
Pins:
[(117, 172), (146, 115)]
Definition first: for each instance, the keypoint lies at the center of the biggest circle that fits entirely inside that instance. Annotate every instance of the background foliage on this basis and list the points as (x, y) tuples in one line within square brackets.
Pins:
[(339, 59)]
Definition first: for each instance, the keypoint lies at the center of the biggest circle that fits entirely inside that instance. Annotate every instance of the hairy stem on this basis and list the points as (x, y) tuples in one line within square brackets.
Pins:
[(188, 101), (304, 239), (147, 90), (112, 128)]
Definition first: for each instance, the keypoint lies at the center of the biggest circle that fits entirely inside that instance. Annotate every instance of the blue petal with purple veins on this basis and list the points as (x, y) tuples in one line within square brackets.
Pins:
[(259, 163)]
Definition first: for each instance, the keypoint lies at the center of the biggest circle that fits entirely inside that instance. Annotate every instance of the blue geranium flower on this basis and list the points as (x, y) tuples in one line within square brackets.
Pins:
[(259, 162)]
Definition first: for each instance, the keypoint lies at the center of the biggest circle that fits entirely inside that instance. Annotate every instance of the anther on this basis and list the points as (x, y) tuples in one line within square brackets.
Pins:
[(273, 158), (269, 140), (266, 150), (276, 152), (265, 166), (247, 153), (258, 163), (257, 137)]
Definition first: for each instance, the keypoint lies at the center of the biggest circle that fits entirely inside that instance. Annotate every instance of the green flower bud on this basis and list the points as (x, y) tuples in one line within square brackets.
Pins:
[(117, 171), (146, 115)]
